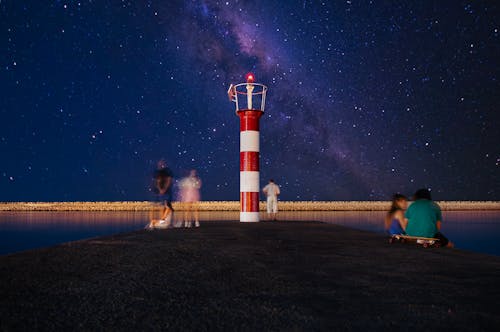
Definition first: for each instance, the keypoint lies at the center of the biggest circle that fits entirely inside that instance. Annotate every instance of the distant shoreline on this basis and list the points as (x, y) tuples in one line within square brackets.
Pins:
[(234, 206)]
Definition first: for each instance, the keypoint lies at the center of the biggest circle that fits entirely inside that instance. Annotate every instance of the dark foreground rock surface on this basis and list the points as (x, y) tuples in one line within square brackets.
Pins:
[(232, 276)]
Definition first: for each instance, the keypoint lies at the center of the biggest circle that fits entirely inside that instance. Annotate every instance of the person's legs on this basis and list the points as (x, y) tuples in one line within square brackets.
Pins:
[(155, 213), (275, 208), (166, 212), (189, 218), (196, 214), (168, 209), (269, 207), (443, 240)]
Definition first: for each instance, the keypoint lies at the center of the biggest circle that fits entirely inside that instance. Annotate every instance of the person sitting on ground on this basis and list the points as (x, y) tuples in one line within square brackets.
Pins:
[(424, 218), (395, 221)]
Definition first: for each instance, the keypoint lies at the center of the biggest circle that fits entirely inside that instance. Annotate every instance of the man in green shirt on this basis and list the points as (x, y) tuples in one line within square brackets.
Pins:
[(424, 218)]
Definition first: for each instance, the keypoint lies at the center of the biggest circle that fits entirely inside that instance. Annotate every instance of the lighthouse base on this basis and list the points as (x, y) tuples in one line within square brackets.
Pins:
[(249, 217)]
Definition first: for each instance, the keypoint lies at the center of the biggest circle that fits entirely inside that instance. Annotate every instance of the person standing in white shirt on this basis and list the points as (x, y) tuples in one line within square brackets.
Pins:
[(272, 190)]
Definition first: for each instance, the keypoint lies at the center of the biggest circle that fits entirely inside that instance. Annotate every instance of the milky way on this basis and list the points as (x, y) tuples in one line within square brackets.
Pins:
[(365, 99)]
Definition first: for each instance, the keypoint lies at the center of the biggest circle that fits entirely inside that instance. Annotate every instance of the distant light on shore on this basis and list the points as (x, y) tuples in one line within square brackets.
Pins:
[(234, 206)]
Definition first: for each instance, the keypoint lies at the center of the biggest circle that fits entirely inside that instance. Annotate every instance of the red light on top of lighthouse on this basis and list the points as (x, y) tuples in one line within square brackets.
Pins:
[(250, 78)]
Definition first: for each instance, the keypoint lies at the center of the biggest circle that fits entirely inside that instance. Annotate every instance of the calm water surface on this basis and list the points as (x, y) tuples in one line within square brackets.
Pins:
[(470, 230)]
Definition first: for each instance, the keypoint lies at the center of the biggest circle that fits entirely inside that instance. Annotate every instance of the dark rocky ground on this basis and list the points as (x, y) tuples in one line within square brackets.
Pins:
[(231, 276)]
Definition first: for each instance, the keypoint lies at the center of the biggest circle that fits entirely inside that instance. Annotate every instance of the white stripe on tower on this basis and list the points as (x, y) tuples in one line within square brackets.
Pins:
[(249, 181), (249, 217), (249, 141)]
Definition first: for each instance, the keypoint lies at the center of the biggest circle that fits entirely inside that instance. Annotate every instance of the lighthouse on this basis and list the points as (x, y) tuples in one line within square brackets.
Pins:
[(250, 98)]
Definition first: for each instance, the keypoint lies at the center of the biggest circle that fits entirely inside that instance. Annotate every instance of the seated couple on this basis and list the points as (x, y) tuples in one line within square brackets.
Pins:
[(422, 218)]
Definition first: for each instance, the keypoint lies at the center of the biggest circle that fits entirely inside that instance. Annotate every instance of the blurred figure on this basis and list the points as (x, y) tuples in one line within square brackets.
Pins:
[(424, 218), (395, 221), (272, 190), (190, 196), (162, 187)]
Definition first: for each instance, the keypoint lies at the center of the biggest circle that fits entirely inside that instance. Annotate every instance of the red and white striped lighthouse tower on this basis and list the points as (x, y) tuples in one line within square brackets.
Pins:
[(250, 100)]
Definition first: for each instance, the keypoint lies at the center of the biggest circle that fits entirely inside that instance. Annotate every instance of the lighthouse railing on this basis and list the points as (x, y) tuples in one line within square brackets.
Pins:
[(256, 91)]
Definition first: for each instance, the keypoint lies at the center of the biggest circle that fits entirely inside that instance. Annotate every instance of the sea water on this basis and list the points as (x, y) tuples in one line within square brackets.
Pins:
[(470, 230)]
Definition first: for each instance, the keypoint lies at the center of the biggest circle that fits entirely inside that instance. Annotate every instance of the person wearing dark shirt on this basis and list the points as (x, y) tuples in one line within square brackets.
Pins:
[(162, 188), (425, 218)]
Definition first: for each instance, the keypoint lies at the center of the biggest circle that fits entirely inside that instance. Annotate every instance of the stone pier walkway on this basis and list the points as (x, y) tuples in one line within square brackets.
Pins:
[(237, 277)]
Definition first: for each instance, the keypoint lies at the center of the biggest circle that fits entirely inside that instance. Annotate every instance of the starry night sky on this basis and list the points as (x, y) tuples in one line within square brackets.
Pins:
[(365, 98)]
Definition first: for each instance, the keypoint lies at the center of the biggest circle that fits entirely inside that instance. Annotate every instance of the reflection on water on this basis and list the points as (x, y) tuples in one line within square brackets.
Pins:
[(471, 230), (365, 220), (27, 230)]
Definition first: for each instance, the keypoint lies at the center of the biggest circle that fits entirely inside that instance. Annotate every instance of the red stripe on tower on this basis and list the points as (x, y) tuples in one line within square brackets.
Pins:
[(250, 121), (249, 161), (249, 202)]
